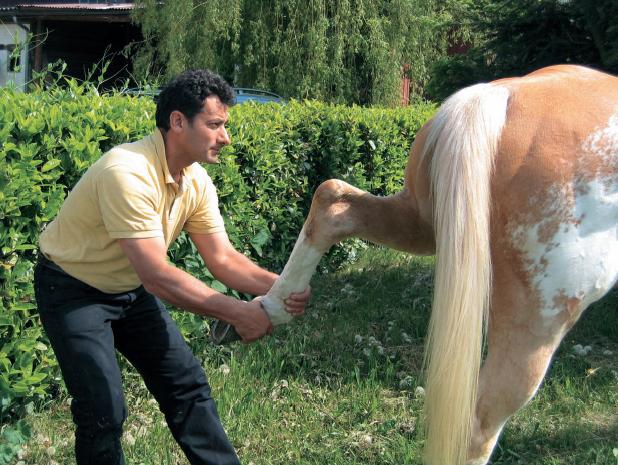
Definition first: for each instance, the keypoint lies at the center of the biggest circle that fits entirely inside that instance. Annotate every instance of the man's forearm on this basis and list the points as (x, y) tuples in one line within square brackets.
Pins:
[(240, 273), (188, 293)]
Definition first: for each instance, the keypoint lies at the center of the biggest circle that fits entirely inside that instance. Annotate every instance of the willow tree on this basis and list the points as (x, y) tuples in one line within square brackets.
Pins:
[(351, 51)]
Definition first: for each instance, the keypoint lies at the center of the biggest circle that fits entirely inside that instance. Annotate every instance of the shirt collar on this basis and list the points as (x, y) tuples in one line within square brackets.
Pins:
[(159, 146)]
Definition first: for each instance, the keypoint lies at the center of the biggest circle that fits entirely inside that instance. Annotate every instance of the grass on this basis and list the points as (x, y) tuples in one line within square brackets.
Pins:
[(340, 386)]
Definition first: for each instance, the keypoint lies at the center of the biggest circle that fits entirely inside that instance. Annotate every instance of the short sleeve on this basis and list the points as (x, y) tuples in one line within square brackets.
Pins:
[(206, 218), (128, 201)]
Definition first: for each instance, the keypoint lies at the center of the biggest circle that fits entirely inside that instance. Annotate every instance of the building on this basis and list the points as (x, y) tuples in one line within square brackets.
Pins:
[(81, 33)]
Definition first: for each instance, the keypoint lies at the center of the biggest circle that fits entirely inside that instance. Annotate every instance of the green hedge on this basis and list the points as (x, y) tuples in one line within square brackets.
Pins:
[(279, 154)]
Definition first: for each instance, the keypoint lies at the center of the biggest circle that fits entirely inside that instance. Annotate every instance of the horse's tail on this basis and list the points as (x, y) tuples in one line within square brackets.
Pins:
[(462, 142)]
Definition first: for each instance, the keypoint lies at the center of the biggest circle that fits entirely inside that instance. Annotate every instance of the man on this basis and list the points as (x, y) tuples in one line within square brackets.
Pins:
[(103, 268)]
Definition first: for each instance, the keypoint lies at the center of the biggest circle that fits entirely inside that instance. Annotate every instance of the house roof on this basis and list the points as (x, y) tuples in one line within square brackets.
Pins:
[(34, 8)]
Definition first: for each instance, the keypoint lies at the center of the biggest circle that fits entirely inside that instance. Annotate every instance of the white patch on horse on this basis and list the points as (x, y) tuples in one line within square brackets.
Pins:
[(604, 142), (578, 263)]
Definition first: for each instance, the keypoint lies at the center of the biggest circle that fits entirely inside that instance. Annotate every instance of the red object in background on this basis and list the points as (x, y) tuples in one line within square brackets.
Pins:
[(405, 86)]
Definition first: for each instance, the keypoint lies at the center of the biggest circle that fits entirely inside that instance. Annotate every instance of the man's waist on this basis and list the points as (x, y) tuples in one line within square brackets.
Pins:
[(43, 260)]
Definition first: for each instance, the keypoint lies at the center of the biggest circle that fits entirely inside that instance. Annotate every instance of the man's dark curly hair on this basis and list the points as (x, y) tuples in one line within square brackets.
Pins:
[(186, 93)]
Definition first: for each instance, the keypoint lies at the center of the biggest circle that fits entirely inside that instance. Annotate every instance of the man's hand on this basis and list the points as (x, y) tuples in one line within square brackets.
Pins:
[(252, 323), (296, 303)]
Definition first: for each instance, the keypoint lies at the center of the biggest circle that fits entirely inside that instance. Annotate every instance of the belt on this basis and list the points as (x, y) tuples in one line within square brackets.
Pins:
[(43, 260)]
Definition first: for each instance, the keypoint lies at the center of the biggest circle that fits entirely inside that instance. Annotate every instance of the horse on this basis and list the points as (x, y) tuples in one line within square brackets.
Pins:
[(513, 185)]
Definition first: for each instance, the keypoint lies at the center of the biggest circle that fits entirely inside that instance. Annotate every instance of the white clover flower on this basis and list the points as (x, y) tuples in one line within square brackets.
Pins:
[(405, 337), (419, 391), (358, 338), (406, 383), (367, 351), (130, 439), (380, 350), (225, 369), (582, 350), (348, 289), (284, 383)]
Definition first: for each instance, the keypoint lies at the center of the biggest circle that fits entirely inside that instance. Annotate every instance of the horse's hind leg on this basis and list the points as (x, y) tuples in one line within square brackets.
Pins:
[(520, 348), (339, 211), (507, 383)]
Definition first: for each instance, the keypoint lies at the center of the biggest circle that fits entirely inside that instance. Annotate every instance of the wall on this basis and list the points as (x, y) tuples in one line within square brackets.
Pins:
[(12, 35)]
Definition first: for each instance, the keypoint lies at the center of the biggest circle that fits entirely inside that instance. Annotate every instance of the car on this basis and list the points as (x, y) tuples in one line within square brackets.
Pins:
[(243, 94)]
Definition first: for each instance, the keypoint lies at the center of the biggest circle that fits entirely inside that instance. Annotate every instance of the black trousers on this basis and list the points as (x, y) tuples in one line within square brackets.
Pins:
[(85, 327)]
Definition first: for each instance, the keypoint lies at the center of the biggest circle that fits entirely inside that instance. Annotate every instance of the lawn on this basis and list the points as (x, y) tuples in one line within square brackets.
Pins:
[(341, 385)]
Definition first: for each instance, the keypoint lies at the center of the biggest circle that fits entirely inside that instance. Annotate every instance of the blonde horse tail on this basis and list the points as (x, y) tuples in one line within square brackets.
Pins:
[(462, 142)]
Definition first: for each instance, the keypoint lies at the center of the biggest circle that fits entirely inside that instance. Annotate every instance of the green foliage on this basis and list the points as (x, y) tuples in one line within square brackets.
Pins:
[(47, 140), (306, 144), (513, 38), (279, 154), (11, 440), (342, 52)]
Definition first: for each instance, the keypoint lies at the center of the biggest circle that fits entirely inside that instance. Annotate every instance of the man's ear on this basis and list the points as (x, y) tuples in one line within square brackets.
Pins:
[(177, 121)]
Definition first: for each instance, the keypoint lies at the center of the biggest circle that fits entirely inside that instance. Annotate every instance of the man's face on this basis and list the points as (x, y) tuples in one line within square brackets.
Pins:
[(206, 134)]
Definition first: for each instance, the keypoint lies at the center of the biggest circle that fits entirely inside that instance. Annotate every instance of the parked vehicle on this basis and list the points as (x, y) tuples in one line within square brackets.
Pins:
[(243, 94), (261, 96)]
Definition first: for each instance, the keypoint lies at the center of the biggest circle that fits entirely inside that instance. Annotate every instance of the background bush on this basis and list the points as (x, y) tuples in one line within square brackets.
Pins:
[(507, 38), (279, 154)]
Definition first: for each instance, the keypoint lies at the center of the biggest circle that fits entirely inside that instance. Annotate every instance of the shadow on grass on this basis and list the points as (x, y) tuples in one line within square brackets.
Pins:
[(568, 444), (385, 303), (355, 315), (389, 299)]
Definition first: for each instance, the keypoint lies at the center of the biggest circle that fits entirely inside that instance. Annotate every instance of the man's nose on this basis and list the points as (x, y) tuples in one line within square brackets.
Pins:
[(224, 137)]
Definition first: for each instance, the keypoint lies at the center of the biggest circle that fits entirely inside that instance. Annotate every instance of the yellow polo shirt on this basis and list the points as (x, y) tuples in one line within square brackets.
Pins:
[(128, 193)]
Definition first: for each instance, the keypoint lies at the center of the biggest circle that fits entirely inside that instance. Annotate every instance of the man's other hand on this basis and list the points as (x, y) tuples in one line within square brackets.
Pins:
[(296, 303)]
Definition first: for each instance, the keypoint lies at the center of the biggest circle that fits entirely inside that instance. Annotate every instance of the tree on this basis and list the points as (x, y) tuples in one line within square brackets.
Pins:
[(516, 37), (347, 51)]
